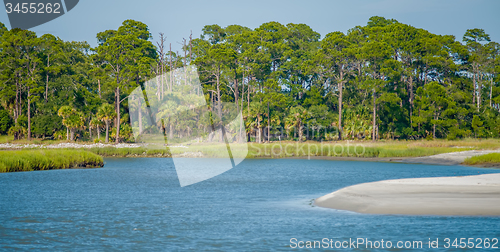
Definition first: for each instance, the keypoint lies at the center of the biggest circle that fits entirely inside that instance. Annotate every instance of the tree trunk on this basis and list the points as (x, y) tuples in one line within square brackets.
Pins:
[(107, 131), (117, 94), (434, 126), (258, 129), (340, 110), (158, 87), (374, 116), (98, 132), (248, 98), (67, 133), (171, 70), (191, 57), (19, 106), (219, 107), (268, 123), (411, 99), (171, 131), (140, 115), (185, 63), (242, 92), (29, 115), (72, 131), (491, 91), (16, 104), (479, 90), (474, 86), (47, 79), (301, 133), (240, 135), (236, 89)]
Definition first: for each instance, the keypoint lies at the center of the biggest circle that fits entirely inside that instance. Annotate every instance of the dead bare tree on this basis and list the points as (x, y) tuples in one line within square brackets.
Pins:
[(171, 70), (161, 62)]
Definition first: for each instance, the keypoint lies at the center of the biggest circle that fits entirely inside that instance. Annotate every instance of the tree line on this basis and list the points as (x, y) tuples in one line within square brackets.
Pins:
[(384, 80)]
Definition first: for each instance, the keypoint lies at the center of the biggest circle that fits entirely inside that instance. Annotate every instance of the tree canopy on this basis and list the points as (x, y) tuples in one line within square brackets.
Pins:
[(384, 80)]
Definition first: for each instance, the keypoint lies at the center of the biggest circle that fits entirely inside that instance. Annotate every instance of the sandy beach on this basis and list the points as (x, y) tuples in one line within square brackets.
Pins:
[(452, 158), (469, 195)]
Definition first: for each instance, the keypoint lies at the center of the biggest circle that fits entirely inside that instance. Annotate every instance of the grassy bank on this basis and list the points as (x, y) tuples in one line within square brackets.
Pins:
[(285, 149), (130, 152), (362, 149), (492, 159), (35, 160), (344, 150), (310, 149)]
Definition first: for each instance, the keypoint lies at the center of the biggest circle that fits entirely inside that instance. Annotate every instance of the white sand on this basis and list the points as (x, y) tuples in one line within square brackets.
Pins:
[(452, 158), (469, 195)]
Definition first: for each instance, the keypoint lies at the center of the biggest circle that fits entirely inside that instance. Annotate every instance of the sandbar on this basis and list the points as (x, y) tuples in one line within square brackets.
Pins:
[(464, 195)]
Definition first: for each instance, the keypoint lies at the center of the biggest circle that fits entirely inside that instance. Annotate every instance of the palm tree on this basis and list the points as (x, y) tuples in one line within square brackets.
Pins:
[(257, 109), (296, 119), (166, 111), (96, 123), (71, 119), (274, 120), (75, 121), (65, 112), (106, 113)]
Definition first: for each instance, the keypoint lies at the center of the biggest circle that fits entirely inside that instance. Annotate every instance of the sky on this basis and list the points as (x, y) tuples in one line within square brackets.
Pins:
[(176, 19)]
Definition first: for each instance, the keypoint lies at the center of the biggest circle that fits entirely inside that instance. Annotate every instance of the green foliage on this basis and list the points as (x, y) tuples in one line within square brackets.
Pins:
[(476, 125), (106, 113), (125, 133), (492, 158), (336, 150), (130, 152), (383, 80), (72, 119), (36, 160), (5, 138), (127, 55), (5, 121), (17, 131)]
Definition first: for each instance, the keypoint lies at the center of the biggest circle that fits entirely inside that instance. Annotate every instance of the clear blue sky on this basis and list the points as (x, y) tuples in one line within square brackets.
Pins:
[(177, 18)]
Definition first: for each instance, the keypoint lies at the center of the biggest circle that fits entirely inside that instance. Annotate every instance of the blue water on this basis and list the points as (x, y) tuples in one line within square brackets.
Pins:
[(137, 204)]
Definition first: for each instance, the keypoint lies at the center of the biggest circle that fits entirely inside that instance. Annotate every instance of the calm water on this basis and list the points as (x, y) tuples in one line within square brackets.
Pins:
[(137, 204)]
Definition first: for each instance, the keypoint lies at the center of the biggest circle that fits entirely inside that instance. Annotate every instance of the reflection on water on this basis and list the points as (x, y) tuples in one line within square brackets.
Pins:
[(137, 204)]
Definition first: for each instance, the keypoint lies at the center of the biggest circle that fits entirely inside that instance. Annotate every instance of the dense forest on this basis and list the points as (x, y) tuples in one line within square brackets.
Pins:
[(384, 80)]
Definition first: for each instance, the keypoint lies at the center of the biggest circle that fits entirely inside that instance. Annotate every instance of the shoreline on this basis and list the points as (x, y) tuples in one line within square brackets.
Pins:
[(132, 150), (451, 158), (140, 150), (29, 160), (477, 195)]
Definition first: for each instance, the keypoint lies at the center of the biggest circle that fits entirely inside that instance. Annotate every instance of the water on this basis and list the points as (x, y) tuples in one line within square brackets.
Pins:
[(137, 204)]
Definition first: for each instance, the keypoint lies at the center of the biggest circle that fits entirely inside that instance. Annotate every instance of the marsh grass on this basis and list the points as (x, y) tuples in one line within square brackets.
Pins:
[(130, 152), (492, 158), (284, 149), (464, 143), (40, 159), (309, 149), (6, 138), (342, 150), (10, 139)]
